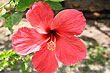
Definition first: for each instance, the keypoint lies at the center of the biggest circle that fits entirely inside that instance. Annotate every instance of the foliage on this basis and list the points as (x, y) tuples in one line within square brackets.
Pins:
[(12, 59), (12, 19), (55, 5), (23, 5), (14, 10), (98, 55)]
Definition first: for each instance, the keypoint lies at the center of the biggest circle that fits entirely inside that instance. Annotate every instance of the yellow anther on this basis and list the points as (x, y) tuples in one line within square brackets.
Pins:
[(51, 45)]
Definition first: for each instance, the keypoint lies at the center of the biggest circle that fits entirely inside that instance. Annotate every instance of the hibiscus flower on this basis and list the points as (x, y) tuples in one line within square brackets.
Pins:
[(53, 38)]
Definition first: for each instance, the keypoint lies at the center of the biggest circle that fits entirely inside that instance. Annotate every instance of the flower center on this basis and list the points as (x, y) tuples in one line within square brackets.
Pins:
[(51, 45), (51, 33)]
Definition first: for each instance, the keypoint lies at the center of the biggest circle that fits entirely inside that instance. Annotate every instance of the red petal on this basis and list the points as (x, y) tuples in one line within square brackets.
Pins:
[(44, 61), (27, 40), (40, 16), (69, 22), (70, 50)]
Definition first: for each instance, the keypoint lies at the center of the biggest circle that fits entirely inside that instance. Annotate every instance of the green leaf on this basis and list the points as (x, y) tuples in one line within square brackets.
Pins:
[(54, 5), (12, 19), (57, 0), (2, 56), (26, 59), (3, 64), (12, 4), (13, 64), (24, 4), (24, 67), (14, 56), (5, 53)]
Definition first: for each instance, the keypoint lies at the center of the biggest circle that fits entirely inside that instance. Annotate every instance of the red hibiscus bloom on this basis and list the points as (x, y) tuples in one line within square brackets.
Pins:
[(52, 38)]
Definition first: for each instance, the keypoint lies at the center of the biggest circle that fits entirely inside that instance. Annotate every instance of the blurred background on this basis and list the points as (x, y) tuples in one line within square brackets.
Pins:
[(96, 36)]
